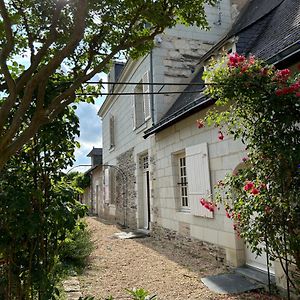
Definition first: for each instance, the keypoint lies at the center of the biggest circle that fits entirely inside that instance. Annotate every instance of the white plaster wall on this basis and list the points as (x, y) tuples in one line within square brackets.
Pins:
[(224, 156)]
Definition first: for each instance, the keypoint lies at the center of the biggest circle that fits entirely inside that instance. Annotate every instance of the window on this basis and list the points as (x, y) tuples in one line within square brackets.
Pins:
[(141, 102), (109, 186), (144, 162), (112, 187), (198, 176), (111, 132), (183, 184)]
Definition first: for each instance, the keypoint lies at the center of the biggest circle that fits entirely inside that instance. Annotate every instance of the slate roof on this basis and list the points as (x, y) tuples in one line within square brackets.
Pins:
[(95, 152), (264, 28)]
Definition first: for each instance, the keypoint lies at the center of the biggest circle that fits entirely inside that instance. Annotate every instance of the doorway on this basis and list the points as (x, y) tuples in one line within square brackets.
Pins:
[(145, 192)]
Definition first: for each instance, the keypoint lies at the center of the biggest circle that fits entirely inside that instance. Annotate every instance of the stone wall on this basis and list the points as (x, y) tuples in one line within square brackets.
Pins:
[(126, 206), (186, 243)]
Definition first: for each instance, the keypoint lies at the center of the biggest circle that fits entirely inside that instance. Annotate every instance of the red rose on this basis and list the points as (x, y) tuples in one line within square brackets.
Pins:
[(200, 123), (220, 136), (254, 191), (248, 186)]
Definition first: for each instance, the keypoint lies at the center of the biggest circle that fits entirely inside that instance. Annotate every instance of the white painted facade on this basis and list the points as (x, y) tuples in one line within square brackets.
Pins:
[(222, 157)]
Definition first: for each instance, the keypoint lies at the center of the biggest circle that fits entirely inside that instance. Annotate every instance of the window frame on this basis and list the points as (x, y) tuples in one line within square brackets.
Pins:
[(184, 205), (142, 102)]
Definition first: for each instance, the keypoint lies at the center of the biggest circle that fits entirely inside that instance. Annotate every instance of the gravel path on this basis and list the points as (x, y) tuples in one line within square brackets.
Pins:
[(159, 267)]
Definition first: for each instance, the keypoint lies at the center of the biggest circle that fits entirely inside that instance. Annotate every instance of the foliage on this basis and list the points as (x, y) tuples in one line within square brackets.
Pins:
[(261, 106), (79, 180), (137, 294), (71, 41), (38, 210), (76, 247)]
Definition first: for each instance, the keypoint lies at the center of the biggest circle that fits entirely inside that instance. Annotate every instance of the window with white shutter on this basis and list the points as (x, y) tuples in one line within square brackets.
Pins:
[(198, 178), (112, 185), (111, 132), (146, 91), (141, 102), (106, 186), (138, 106), (183, 184)]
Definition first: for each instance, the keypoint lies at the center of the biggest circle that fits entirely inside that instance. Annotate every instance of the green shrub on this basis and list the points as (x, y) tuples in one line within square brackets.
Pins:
[(76, 248)]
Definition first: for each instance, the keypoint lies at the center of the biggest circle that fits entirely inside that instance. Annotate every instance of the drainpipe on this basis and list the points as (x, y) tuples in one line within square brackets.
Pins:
[(151, 88)]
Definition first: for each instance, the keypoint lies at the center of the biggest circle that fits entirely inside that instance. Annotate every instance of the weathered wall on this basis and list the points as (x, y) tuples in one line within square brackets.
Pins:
[(236, 7), (186, 242), (179, 50), (126, 203)]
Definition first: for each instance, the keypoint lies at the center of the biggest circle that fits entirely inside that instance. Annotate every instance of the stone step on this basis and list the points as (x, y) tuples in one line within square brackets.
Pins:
[(255, 274)]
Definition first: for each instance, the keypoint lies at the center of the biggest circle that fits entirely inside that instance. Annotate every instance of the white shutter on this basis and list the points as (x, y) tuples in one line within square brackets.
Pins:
[(146, 89), (134, 113), (112, 131), (138, 107), (198, 178), (106, 186)]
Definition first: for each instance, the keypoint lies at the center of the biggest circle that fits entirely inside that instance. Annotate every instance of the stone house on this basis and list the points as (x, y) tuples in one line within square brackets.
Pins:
[(93, 195), (166, 162), (127, 112), (190, 161)]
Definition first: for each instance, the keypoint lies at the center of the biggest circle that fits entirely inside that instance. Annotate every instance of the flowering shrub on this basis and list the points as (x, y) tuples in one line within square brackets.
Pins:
[(260, 105), (208, 204)]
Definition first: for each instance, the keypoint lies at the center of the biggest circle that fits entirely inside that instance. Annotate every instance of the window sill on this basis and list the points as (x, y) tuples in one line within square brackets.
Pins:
[(185, 210), (140, 128)]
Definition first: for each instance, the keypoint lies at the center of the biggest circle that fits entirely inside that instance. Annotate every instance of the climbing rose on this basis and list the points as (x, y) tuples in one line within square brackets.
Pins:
[(254, 191), (263, 186), (267, 209), (200, 123), (228, 215), (248, 186), (208, 205), (220, 136)]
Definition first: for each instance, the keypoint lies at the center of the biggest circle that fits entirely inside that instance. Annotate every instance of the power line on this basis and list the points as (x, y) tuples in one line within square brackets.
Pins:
[(144, 83), (138, 93)]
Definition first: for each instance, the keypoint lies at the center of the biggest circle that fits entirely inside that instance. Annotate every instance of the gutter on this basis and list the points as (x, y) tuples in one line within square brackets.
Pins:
[(285, 54), (192, 107)]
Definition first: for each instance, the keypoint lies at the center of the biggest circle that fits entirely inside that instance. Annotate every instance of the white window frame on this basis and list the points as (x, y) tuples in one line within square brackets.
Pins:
[(184, 204)]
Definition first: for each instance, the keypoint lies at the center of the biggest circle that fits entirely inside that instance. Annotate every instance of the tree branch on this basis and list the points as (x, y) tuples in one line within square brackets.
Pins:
[(6, 50), (46, 71)]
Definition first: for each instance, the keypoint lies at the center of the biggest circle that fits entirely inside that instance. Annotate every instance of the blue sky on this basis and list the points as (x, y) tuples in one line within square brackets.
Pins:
[(90, 131)]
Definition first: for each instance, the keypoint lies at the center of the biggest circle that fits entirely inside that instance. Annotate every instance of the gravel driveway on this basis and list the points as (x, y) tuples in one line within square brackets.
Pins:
[(157, 266)]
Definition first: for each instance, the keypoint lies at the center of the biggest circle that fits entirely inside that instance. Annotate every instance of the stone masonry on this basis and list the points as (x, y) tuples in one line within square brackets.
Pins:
[(186, 243), (126, 206)]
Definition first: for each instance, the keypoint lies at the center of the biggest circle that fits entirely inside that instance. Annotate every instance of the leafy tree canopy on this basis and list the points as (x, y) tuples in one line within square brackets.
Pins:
[(75, 39)]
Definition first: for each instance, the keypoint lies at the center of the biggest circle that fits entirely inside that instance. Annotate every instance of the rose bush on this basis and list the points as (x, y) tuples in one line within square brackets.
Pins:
[(260, 105)]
